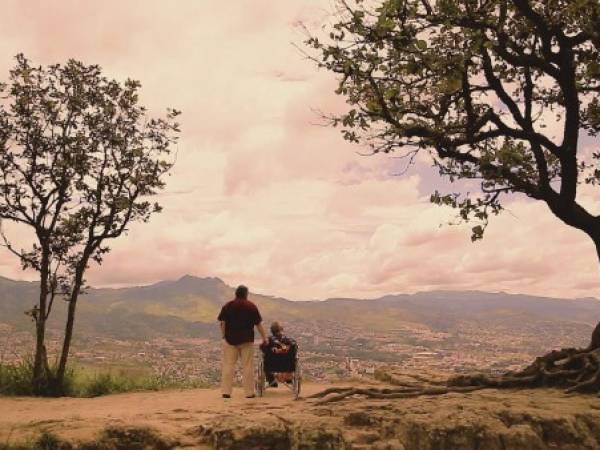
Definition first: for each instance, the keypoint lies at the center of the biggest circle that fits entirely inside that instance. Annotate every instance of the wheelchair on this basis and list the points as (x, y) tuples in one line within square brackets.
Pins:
[(286, 370)]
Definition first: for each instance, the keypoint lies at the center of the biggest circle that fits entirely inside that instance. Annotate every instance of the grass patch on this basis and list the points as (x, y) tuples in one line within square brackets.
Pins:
[(16, 379), (103, 383), (121, 438), (45, 441), (85, 382), (111, 438)]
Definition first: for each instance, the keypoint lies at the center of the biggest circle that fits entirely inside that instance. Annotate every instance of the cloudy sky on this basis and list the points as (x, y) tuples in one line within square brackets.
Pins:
[(263, 194)]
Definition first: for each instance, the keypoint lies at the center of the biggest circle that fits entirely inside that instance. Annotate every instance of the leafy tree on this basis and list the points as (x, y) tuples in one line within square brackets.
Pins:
[(497, 92), (79, 161)]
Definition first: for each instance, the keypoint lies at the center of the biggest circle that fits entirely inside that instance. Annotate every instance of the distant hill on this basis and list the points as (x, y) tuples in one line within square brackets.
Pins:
[(189, 306)]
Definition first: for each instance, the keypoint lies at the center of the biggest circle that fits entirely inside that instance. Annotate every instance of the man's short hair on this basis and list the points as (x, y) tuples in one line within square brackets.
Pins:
[(241, 292)]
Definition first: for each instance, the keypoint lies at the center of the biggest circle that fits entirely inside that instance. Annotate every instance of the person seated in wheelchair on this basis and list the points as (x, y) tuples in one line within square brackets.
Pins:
[(279, 356)]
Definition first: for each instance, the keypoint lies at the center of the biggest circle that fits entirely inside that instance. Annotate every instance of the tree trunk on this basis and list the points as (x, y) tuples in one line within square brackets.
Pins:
[(64, 356), (60, 374), (40, 361), (595, 342)]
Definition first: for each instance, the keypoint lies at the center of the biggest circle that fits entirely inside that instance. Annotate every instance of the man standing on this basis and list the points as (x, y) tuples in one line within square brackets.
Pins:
[(238, 319)]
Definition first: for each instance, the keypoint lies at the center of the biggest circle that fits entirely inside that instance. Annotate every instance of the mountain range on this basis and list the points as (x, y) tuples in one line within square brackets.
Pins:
[(188, 307)]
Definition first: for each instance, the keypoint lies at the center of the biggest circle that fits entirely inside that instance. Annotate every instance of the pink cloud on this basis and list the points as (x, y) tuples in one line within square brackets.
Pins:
[(262, 193)]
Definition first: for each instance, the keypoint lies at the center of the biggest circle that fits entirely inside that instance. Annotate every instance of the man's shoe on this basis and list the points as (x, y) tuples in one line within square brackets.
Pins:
[(226, 396), (273, 384), (250, 396)]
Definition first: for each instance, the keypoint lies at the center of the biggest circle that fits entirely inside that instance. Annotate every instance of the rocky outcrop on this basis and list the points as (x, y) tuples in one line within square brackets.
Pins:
[(273, 436), (490, 420)]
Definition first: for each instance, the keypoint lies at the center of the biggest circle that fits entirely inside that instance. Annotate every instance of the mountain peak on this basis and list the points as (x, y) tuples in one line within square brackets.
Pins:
[(187, 279)]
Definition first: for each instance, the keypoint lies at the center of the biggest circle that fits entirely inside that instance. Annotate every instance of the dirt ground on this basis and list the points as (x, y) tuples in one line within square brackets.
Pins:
[(491, 419), (171, 412)]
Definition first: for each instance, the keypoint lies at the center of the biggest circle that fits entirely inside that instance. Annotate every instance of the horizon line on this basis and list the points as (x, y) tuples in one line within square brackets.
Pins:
[(188, 275)]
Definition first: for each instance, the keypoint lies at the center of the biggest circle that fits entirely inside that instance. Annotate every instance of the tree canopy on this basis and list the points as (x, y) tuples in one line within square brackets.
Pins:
[(497, 91), (79, 161)]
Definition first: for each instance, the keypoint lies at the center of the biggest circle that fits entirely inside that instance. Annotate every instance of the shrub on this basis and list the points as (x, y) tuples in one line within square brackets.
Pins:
[(48, 441), (45, 441), (111, 438), (120, 438)]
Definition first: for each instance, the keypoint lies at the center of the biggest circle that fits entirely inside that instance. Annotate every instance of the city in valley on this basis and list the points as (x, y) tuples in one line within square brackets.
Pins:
[(328, 351)]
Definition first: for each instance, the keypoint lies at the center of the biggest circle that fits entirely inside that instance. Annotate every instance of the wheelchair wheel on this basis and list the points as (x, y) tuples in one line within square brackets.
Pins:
[(297, 380), (260, 378)]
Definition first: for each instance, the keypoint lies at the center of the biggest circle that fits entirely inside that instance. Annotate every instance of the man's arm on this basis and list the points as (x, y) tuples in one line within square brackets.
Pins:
[(221, 318), (261, 330), (259, 327)]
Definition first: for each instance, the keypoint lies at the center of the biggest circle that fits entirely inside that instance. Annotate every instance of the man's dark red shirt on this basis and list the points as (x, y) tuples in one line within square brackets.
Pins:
[(240, 317)]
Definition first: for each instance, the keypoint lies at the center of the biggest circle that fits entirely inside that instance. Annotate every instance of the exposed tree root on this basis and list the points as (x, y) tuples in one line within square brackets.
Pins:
[(574, 370), (387, 394)]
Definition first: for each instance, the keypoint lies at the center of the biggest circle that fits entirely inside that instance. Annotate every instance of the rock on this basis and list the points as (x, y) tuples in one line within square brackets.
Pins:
[(358, 419), (540, 419), (271, 435)]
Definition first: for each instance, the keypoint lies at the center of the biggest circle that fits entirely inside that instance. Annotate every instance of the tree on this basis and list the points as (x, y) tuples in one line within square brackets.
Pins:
[(497, 92), (79, 161)]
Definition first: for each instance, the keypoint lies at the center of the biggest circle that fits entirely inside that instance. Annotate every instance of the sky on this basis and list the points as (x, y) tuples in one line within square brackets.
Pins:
[(262, 192)]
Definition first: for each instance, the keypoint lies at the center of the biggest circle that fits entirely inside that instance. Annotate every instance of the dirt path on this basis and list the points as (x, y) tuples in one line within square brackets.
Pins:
[(172, 412)]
